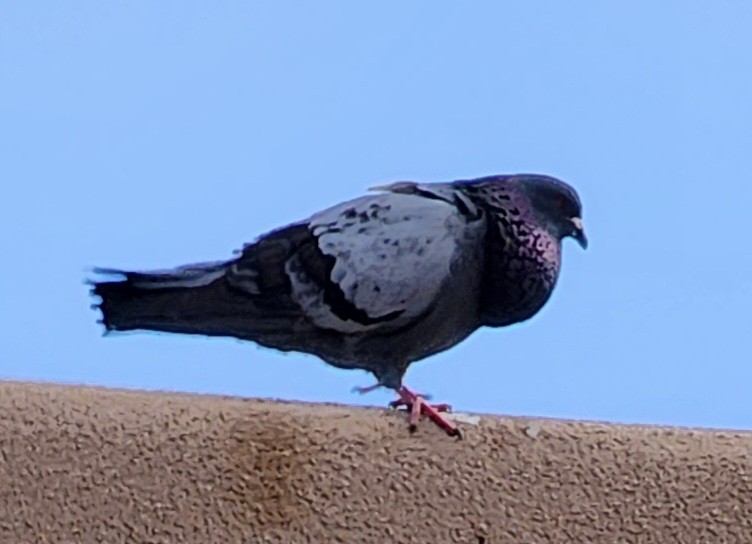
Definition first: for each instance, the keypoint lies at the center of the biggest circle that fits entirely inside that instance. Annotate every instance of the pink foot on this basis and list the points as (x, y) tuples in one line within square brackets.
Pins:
[(418, 406)]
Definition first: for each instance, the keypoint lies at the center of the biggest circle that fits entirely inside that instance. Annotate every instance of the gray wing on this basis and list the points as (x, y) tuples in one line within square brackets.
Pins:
[(389, 256)]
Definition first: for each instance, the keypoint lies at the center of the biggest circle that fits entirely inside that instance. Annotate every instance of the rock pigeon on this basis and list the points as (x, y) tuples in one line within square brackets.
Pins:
[(375, 283)]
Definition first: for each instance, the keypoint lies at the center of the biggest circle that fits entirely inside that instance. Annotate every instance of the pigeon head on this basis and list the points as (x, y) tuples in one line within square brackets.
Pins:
[(556, 204)]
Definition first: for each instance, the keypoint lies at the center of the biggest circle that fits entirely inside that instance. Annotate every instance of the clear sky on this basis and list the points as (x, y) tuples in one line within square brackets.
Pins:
[(151, 134)]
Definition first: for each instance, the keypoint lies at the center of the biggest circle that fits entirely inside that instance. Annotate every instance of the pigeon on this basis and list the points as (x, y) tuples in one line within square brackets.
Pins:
[(375, 283)]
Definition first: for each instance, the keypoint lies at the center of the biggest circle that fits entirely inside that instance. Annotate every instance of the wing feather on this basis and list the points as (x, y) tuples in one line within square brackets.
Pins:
[(374, 262), (391, 254)]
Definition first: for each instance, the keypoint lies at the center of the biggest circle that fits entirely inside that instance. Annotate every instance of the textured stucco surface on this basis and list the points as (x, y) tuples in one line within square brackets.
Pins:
[(92, 465)]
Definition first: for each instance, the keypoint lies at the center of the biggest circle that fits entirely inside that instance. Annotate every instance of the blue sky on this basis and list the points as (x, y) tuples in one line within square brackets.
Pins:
[(151, 134)]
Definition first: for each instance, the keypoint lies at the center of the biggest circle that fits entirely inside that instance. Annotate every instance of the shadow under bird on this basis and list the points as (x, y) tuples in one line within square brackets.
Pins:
[(375, 283)]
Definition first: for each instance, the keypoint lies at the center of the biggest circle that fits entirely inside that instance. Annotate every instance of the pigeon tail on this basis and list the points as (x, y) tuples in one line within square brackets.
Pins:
[(189, 300)]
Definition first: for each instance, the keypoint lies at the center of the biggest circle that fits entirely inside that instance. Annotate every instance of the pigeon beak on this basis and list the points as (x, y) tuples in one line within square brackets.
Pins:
[(578, 232)]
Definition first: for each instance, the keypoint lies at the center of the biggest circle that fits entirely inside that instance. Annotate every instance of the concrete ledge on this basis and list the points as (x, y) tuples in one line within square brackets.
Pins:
[(80, 464)]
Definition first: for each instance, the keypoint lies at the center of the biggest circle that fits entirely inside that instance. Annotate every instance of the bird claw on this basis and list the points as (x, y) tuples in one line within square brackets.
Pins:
[(442, 407), (418, 406), (398, 402), (364, 390)]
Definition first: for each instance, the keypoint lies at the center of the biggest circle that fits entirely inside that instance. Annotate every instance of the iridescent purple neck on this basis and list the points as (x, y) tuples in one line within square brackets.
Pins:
[(522, 257)]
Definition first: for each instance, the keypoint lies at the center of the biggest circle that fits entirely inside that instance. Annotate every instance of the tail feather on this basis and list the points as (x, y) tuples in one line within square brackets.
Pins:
[(195, 299), (192, 275), (248, 297)]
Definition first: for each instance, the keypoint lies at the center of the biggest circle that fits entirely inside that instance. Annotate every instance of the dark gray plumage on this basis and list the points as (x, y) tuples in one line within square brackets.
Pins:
[(375, 283)]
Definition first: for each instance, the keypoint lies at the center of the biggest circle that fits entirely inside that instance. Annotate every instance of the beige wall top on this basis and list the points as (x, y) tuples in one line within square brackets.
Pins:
[(87, 465)]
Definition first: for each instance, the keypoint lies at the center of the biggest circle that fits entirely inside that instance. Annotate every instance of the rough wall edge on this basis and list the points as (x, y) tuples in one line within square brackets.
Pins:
[(463, 417), (89, 464)]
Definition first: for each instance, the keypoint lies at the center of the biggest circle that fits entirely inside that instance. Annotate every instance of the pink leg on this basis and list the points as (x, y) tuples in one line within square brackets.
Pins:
[(418, 406)]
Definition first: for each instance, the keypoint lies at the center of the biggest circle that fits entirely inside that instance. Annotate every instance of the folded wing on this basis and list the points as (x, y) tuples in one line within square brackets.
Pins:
[(375, 262)]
